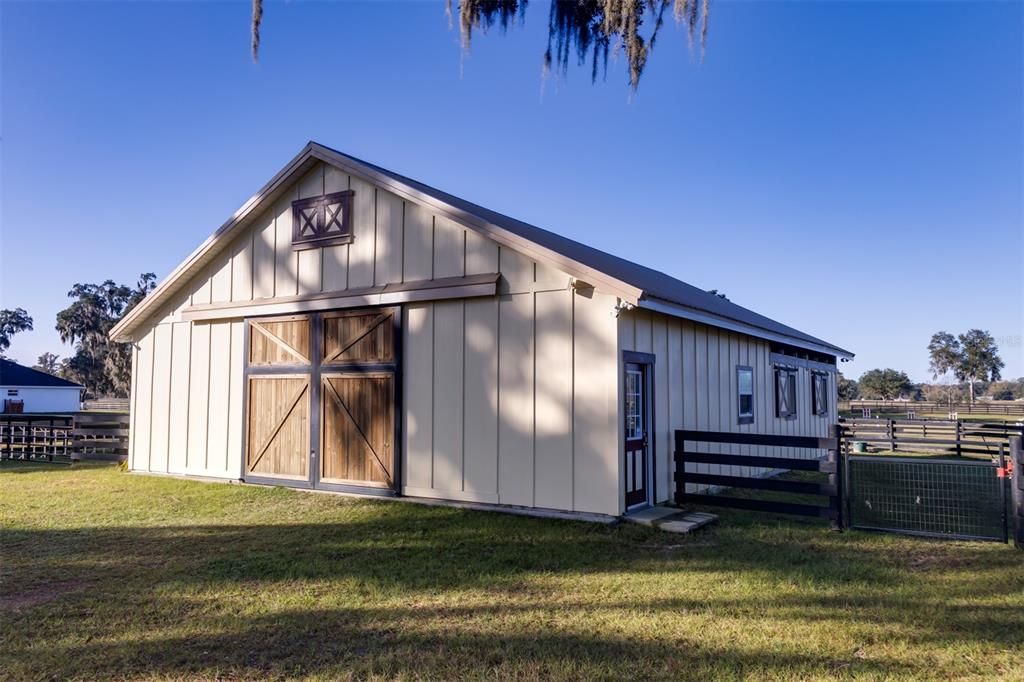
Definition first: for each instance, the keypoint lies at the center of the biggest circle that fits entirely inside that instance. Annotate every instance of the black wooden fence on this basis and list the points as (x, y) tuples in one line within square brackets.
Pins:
[(35, 437), (930, 436), (1004, 407), (831, 489), (955, 498)]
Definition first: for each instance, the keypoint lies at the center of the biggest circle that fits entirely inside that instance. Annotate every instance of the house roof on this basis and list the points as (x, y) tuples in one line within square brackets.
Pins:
[(13, 374), (634, 283)]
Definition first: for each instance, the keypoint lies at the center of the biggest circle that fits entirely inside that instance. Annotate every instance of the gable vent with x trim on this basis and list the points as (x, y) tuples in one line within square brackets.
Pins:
[(322, 221)]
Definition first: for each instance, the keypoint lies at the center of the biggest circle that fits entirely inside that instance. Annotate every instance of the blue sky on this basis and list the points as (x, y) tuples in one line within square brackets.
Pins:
[(851, 169)]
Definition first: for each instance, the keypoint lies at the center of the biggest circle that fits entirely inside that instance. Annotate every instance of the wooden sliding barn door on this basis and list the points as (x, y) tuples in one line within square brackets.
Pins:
[(279, 372), (357, 385), (322, 397), (358, 426)]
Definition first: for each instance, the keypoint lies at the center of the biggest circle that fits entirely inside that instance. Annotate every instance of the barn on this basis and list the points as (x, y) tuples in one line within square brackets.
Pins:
[(23, 389), (354, 330)]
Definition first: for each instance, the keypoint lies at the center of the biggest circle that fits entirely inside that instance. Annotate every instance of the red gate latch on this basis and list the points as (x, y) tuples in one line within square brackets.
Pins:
[(1006, 471)]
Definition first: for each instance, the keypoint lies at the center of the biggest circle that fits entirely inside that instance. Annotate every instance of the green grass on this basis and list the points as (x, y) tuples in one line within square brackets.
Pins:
[(113, 575)]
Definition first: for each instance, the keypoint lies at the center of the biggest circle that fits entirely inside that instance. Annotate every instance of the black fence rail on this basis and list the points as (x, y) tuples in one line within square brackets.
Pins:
[(36, 437), (101, 435), (832, 489), (929, 436)]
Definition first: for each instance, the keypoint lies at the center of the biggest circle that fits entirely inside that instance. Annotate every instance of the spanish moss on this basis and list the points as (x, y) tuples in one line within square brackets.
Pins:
[(484, 14), (582, 29), (578, 30), (257, 19)]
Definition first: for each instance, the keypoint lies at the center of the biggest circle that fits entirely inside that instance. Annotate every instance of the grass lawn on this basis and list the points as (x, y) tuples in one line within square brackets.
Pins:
[(113, 575)]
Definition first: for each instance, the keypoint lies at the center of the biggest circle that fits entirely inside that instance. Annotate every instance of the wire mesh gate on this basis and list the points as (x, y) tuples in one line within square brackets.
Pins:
[(956, 499)]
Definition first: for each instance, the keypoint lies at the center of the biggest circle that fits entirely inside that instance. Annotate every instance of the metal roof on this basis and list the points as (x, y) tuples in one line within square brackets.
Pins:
[(13, 374), (654, 284), (634, 283)]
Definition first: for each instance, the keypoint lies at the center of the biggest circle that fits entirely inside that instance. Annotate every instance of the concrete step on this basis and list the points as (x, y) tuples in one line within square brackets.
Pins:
[(671, 519), (688, 521)]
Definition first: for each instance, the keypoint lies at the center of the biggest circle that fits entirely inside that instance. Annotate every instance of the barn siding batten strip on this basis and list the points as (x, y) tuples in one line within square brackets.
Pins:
[(572, 399), (132, 429)]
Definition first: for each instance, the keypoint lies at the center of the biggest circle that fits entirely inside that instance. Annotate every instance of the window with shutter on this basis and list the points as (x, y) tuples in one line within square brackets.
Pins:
[(785, 392), (819, 393)]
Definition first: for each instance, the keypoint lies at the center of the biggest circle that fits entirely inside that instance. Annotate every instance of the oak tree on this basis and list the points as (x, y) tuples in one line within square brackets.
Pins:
[(12, 322)]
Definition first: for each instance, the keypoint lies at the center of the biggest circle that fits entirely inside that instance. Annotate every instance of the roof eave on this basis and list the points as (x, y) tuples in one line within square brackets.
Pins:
[(713, 320), (623, 290), (122, 331)]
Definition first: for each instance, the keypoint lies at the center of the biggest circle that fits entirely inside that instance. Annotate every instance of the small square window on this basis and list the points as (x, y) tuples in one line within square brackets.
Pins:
[(785, 392), (745, 393), (12, 391)]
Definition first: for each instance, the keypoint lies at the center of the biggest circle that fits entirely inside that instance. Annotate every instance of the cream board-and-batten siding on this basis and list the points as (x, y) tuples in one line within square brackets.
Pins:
[(511, 355), (507, 399), (695, 388)]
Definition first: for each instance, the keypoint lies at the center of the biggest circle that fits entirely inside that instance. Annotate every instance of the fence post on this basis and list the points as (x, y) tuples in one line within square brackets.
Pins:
[(835, 477), (959, 437), (1017, 490), (680, 463), (892, 435), (1001, 468)]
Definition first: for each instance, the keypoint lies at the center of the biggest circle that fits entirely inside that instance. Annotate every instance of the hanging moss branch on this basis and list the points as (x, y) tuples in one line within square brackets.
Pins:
[(257, 19), (484, 14), (576, 28)]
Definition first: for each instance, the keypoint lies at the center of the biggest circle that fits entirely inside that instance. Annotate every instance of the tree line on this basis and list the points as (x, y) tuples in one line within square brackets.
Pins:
[(103, 367), (965, 366), (969, 362)]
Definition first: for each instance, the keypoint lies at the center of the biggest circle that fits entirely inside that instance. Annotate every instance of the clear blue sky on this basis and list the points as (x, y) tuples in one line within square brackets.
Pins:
[(854, 170)]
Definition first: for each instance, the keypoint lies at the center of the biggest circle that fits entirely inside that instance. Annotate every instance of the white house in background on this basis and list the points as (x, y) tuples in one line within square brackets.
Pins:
[(23, 389), (352, 329)]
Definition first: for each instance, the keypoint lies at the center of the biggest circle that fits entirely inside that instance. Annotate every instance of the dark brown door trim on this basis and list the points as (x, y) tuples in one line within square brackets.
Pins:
[(639, 440)]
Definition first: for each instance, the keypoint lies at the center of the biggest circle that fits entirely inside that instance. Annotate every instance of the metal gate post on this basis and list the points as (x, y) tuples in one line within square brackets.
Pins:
[(1017, 490), (835, 477), (844, 454), (1001, 473)]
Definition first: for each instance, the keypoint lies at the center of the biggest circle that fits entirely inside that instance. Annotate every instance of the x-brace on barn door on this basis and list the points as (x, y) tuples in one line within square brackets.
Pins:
[(322, 399)]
